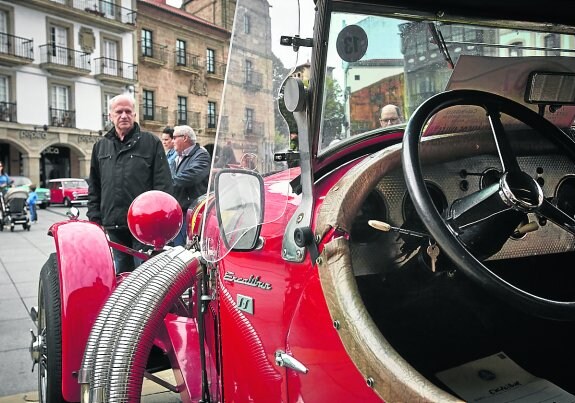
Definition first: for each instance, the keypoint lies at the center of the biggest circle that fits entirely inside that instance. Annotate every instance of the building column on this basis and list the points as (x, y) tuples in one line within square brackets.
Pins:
[(84, 167), (31, 168)]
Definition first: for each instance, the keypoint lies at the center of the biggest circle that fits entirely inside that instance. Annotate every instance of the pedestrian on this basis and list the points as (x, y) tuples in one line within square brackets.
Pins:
[(190, 172), (4, 179), (31, 202), (168, 143), (227, 157), (126, 162), (390, 115)]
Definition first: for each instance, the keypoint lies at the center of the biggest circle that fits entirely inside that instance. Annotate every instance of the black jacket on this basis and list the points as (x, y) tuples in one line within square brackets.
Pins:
[(190, 176), (122, 170)]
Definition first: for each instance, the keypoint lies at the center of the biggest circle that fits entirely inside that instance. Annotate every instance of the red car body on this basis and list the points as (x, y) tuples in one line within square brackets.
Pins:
[(340, 271), (68, 191)]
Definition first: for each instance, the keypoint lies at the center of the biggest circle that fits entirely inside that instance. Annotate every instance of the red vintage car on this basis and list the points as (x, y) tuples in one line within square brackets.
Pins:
[(425, 255)]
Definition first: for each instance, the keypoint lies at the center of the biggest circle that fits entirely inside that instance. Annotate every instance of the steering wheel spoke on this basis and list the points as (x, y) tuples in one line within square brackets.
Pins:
[(506, 154), (557, 216)]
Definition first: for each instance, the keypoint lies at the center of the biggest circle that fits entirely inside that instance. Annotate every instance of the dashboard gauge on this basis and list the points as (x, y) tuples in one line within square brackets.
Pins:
[(565, 195), (437, 196), (373, 208), (489, 177)]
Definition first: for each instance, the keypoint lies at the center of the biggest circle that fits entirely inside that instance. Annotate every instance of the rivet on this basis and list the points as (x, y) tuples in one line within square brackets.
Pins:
[(370, 382), (299, 218), (298, 253), (336, 324), (319, 260), (317, 239), (285, 252), (335, 188)]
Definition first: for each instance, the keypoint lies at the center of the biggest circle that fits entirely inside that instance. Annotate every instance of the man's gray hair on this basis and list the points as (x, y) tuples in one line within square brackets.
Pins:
[(125, 95), (186, 131)]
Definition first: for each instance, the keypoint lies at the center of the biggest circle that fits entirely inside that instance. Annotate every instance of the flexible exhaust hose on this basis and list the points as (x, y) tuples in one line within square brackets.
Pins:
[(109, 321), (131, 349)]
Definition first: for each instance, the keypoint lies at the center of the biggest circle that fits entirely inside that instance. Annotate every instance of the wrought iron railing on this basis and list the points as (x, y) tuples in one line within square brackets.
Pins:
[(62, 117), (16, 46), (182, 59), (154, 113), (152, 51), (253, 129), (106, 122), (216, 69), (253, 79), (53, 54), (8, 111), (116, 68), (103, 8), (189, 118)]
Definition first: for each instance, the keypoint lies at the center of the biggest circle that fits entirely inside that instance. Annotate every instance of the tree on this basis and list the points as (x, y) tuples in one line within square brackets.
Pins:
[(333, 112)]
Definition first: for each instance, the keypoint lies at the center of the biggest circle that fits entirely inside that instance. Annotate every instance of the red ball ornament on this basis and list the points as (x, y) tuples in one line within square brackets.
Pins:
[(155, 218)]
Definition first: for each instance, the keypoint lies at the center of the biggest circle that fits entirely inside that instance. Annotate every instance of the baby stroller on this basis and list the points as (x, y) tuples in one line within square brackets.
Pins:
[(13, 209)]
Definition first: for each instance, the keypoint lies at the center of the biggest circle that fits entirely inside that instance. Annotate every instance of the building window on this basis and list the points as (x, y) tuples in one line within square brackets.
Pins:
[(552, 42), (248, 72), (211, 115), (147, 43), (249, 120), (180, 52), (182, 110), (356, 77), (59, 44), (148, 105), (210, 61), (4, 89), (246, 24), (110, 52), (516, 50), (60, 113)]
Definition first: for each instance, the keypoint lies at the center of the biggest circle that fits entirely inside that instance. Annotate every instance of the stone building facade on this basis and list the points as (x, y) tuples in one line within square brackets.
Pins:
[(182, 64)]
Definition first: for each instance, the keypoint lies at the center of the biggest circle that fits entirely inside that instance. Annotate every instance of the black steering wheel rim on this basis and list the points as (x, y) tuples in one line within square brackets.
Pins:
[(434, 222)]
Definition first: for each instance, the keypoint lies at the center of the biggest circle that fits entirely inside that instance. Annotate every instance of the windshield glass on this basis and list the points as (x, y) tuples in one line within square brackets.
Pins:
[(380, 69), (20, 181), (80, 183), (251, 127)]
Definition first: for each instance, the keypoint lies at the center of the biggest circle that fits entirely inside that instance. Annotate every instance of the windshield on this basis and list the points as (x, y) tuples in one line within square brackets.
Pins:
[(251, 126), (380, 69), (80, 183)]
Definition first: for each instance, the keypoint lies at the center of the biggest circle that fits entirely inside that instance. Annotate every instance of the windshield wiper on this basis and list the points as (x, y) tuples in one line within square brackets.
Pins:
[(437, 38)]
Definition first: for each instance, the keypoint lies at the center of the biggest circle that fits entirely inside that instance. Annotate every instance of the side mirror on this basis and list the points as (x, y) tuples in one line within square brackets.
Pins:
[(240, 207)]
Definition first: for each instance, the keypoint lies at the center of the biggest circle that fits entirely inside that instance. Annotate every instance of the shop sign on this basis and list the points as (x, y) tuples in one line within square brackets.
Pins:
[(32, 134), (87, 139)]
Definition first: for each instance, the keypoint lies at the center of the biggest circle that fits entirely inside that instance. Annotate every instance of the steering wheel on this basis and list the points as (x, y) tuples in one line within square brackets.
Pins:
[(516, 193)]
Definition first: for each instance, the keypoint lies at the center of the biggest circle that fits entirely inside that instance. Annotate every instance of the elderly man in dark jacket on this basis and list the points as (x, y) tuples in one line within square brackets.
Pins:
[(190, 172), (125, 163)]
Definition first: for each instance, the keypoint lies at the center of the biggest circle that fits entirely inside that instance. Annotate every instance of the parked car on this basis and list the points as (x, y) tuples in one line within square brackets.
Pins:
[(25, 182), (425, 261), (68, 191)]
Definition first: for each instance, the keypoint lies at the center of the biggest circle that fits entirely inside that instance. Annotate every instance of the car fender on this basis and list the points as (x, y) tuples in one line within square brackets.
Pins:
[(87, 278)]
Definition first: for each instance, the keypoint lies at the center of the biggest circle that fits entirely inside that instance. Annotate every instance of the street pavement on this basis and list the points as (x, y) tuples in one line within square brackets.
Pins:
[(22, 254)]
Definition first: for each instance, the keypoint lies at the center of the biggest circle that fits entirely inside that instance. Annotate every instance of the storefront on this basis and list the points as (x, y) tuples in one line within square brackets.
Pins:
[(45, 154)]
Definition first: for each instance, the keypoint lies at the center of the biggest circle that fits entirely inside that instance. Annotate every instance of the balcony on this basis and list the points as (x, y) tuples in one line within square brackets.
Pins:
[(152, 54), (64, 61), (16, 51), (253, 80), (103, 13), (157, 115), (189, 118), (253, 129), (62, 117), (114, 71), (215, 70), (8, 111), (187, 62)]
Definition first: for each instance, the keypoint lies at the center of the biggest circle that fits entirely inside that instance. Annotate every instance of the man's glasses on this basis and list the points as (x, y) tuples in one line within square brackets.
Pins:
[(179, 135), (390, 121)]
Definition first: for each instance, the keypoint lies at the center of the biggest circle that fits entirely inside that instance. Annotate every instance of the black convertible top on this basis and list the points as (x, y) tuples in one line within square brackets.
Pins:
[(553, 12)]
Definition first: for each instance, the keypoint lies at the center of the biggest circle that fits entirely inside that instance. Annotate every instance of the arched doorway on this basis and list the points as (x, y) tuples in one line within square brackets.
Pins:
[(54, 163)]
